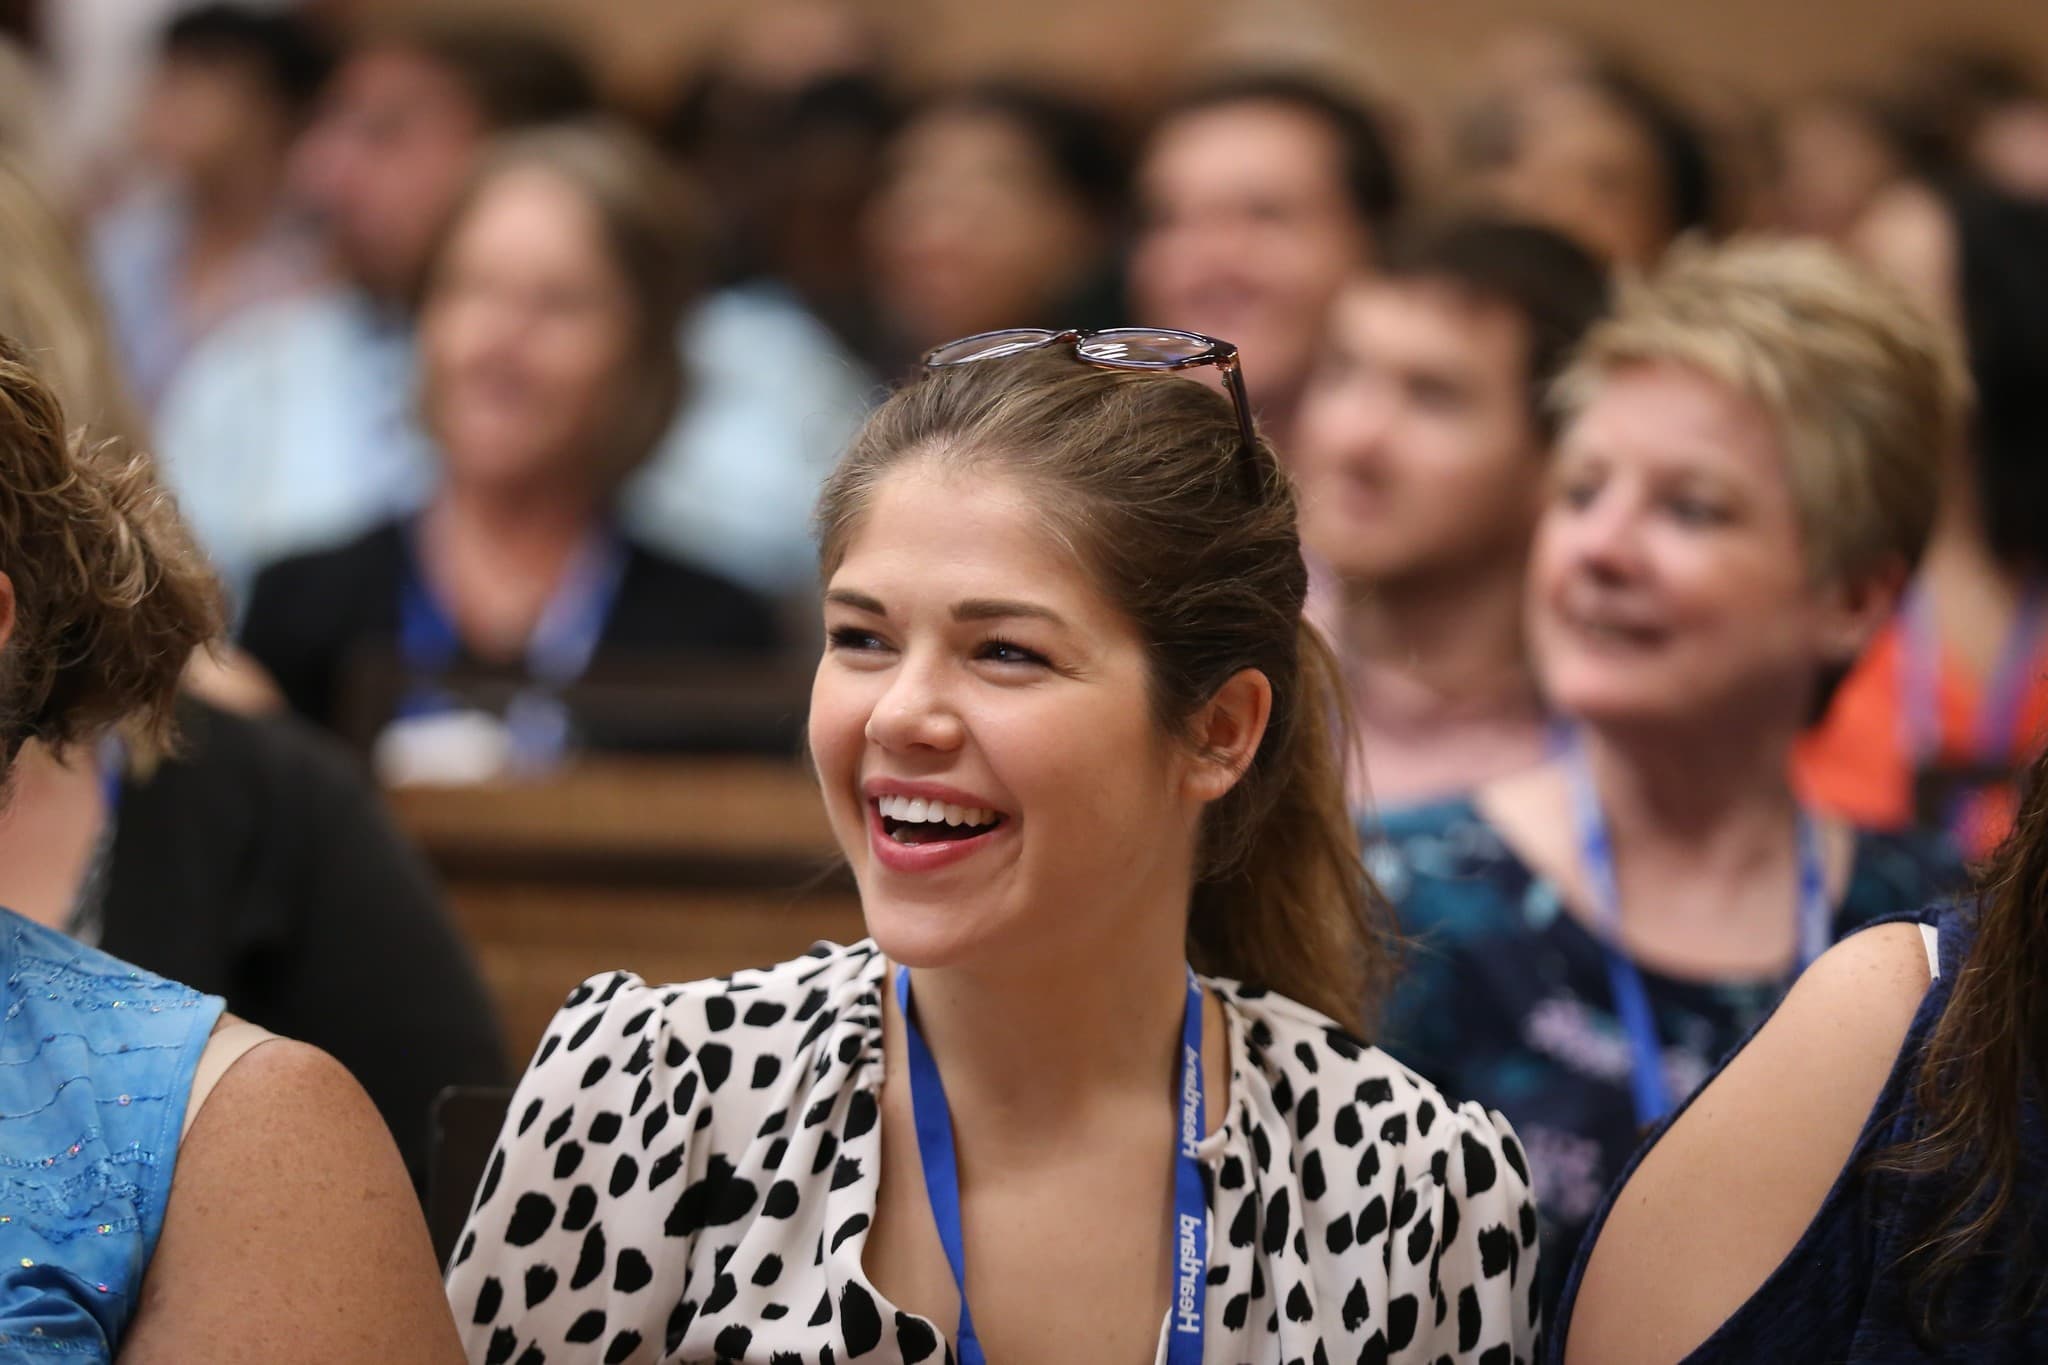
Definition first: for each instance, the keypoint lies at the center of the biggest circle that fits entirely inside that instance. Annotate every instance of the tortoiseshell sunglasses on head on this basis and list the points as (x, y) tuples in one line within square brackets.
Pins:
[(1122, 348)]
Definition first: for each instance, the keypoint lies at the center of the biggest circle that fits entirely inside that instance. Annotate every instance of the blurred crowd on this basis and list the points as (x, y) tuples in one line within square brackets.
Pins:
[(476, 391)]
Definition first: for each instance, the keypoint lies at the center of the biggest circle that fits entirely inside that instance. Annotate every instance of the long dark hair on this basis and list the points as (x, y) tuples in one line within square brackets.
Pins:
[(1985, 1066), (1142, 475)]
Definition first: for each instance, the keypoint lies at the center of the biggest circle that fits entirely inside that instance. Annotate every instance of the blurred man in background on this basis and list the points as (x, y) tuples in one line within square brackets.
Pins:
[(1421, 452), (209, 232), (1258, 197)]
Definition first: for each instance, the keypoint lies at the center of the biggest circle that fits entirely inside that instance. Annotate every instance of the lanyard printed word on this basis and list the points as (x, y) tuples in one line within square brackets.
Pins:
[(934, 1123), (560, 649), (1647, 1086)]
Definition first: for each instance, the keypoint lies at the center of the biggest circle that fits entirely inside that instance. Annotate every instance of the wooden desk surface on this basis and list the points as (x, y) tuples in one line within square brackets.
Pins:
[(674, 869)]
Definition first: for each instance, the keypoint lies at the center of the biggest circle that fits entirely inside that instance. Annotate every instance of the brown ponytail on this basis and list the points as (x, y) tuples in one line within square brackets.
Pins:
[(1143, 475), (110, 596)]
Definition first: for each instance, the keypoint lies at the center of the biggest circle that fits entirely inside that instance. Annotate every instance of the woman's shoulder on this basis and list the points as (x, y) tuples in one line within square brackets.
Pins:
[(1331, 1088), (1421, 1206), (757, 1028), (1446, 870), (314, 591), (669, 603)]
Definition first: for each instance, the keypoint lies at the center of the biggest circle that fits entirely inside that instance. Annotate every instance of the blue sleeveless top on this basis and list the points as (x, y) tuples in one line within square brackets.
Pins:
[(1840, 1295), (96, 1063)]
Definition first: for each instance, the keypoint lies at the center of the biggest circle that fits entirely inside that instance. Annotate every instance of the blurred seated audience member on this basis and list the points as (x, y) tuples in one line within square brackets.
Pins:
[(1952, 699), (1258, 197), (209, 231), (785, 122), (291, 427), (182, 1185), (1863, 1181), (250, 861), (1980, 113), (1607, 159), (1835, 153), (1745, 478), (996, 209), (548, 374), (1421, 455)]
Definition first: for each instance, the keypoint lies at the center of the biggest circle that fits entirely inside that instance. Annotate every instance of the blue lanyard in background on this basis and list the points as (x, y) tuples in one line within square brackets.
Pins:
[(934, 1123), (1647, 1085), (563, 642)]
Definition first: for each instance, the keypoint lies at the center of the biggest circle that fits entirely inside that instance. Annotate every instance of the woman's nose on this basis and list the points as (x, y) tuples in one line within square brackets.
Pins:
[(915, 712)]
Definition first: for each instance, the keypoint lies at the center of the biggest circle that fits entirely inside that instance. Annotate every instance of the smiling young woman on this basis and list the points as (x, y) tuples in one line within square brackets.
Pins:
[(1096, 1073)]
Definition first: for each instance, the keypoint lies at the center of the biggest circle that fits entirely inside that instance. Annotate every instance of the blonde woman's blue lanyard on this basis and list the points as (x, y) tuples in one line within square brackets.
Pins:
[(1647, 1085), (934, 1122)]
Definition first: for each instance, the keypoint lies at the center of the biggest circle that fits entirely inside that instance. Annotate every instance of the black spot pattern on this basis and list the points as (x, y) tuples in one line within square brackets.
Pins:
[(693, 1168)]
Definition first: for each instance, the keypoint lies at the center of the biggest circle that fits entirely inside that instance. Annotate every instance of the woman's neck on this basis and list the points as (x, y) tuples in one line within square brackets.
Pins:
[(1422, 656), (1704, 796), (50, 824), (496, 557), (1037, 1040)]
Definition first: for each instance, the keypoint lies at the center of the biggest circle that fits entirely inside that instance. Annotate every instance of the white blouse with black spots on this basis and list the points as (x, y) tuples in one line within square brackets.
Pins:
[(688, 1173)]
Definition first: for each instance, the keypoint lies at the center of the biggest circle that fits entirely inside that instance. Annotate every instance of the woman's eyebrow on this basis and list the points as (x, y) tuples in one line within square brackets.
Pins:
[(997, 609), (857, 601)]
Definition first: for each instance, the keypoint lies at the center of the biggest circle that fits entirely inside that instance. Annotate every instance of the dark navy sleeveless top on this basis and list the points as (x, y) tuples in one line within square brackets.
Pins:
[(96, 1063), (1841, 1295)]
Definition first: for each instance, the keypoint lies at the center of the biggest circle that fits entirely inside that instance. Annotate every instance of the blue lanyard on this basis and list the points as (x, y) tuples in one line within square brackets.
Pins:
[(1647, 1085), (934, 1124), (559, 651)]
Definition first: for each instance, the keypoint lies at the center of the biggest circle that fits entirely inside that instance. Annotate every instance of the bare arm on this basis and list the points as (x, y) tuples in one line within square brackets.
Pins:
[(1729, 1189), (291, 1232)]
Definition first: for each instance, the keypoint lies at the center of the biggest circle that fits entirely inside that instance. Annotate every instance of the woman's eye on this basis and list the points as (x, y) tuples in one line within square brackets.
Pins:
[(853, 638), (1004, 652), (1577, 493), (1697, 511)]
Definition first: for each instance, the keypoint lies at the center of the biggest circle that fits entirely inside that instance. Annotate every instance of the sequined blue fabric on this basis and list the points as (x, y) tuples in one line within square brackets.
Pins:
[(96, 1062)]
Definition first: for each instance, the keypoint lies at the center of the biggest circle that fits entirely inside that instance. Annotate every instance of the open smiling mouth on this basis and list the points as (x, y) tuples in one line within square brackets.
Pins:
[(914, 820)]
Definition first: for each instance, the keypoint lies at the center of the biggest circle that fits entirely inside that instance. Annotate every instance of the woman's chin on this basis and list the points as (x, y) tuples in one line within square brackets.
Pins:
[(925, 936)]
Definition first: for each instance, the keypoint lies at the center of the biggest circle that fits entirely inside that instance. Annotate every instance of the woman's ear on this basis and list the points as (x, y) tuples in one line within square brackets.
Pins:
[(1227, 731), (1857, 608), (6, 610)]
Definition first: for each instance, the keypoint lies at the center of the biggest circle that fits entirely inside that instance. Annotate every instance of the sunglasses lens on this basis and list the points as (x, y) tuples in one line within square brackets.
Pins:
[(1148, 347), (989, 345)]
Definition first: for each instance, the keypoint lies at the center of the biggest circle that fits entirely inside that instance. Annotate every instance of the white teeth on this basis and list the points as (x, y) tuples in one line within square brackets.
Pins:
[(918, 810)]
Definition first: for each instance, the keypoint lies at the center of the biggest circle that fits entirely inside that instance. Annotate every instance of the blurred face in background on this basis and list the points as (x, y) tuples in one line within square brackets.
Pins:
[(973, 229), (2011, 147), (1247, 232), (526, 338), (1582, 165), (1833, 162), (383, 161), (203, 119), (1669, 582), (1415, 451)]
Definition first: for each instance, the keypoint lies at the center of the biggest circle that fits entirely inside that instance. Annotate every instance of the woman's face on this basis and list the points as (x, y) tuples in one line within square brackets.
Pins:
[(1585, 168), (526, 337), (1669, 581), (972, 667), (972, 229)]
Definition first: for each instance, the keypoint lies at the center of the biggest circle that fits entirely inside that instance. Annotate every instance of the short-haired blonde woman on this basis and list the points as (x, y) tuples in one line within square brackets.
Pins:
[(1745, 480)]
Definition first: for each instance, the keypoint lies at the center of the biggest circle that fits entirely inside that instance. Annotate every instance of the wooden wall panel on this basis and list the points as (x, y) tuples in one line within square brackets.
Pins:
[(1415, 47)]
